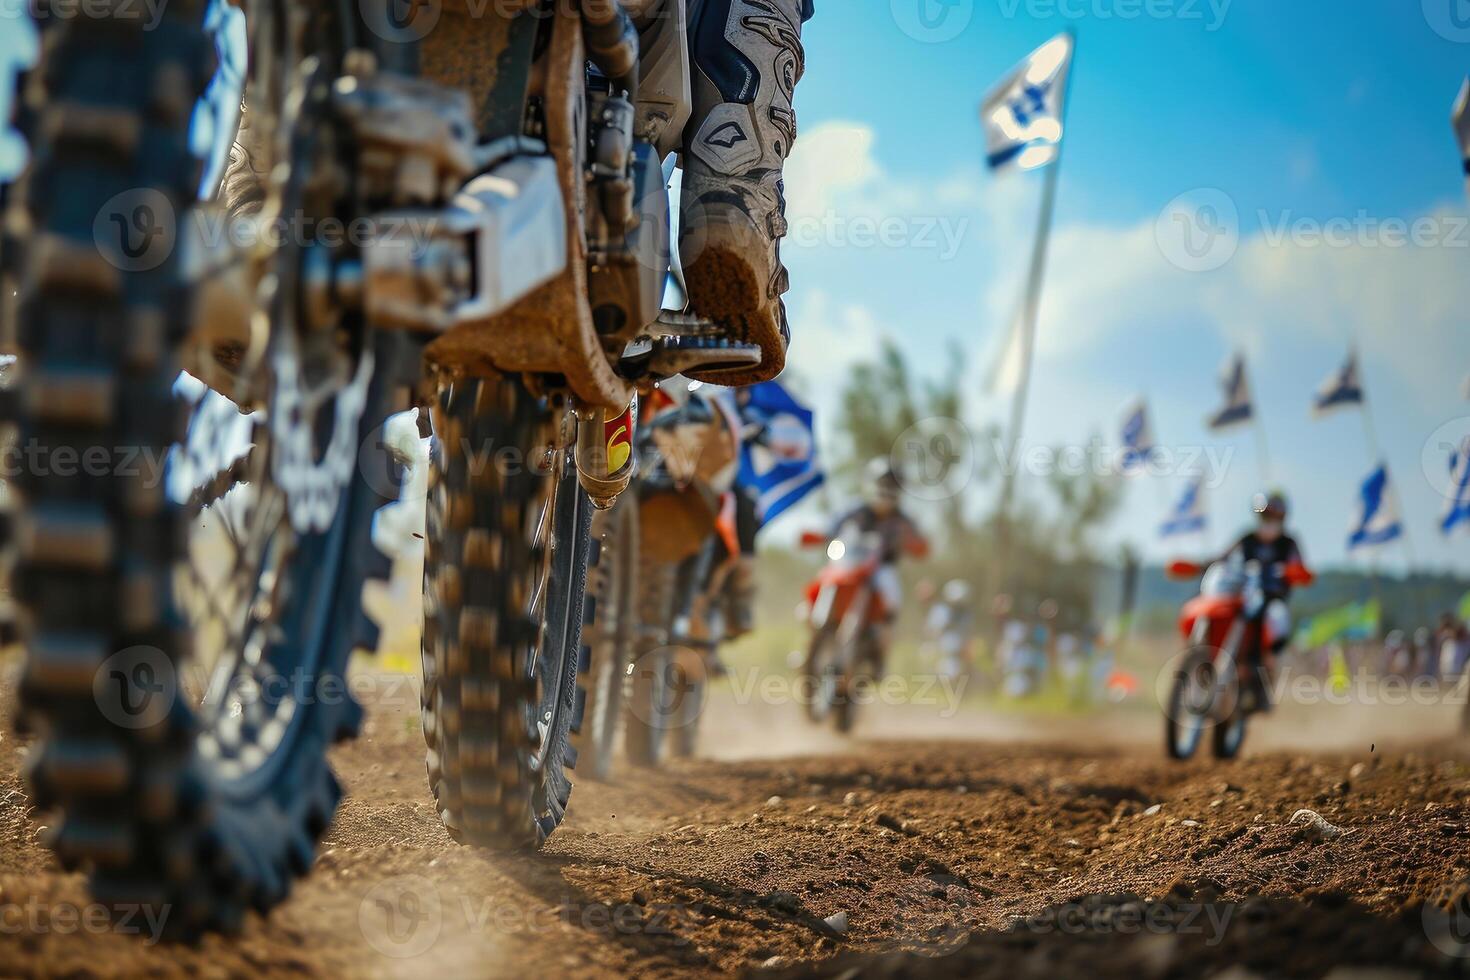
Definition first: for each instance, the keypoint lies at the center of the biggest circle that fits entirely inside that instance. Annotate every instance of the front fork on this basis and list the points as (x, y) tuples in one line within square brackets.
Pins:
[(605, 458)]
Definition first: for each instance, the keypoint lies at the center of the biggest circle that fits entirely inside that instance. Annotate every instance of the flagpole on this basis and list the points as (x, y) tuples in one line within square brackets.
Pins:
[(1035, 279), (1263, 449)]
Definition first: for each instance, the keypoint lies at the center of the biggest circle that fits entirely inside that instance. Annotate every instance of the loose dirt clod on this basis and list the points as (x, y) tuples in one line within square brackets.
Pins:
[(1314, 826)]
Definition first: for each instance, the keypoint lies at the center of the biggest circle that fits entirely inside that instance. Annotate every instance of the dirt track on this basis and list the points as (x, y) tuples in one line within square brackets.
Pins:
[(955, 848)]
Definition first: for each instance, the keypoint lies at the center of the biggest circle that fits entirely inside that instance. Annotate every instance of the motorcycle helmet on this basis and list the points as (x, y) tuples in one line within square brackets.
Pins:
[(882, 482), (1270, 506)]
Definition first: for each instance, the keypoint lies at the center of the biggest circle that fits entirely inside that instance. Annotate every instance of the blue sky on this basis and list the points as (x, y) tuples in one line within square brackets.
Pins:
[(1298, 113), (1294, 112)]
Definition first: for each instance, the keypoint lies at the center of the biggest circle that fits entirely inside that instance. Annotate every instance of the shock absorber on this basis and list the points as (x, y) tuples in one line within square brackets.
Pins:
[(612, 43), (605, 457)]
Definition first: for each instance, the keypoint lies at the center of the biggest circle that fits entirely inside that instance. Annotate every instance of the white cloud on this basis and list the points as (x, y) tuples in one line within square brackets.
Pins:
[(828, 162)]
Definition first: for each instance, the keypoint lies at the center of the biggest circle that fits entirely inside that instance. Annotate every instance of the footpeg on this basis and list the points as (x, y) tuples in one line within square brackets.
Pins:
[(678, 343), (708, 355)]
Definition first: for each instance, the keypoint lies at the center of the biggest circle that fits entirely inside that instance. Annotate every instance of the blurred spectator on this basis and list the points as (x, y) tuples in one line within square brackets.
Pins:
[(1454, 646)]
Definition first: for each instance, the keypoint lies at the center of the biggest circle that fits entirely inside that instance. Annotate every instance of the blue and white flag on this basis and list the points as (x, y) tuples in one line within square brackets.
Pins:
[(1461, 120), (780, 462), (1239, 408), (1341, 390), (19, 46), (1138, 438), (1188, 516), (1023, 114), (1458, 511), (217, 113), (1378, 520)]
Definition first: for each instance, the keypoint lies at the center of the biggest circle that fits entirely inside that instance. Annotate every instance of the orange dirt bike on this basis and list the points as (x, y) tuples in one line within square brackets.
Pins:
[(669, 535), (843, 610), (454, 206), (1215, 683)]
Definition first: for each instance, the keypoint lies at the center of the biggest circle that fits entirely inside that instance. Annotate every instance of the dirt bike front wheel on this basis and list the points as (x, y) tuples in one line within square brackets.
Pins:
[(1191, 703), (202, 793), (505, 572), (613, 595)]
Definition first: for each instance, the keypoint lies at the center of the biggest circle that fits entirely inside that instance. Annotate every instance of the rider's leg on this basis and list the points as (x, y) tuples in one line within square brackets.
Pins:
[(889, 591), (1276, 633), (747, 58), (741, 584)]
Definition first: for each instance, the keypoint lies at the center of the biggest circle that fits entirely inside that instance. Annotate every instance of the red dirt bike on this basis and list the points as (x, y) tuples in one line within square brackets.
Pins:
[(844, 610), (1211, 683)]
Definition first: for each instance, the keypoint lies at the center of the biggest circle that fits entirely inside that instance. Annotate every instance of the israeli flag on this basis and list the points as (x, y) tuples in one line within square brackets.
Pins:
[(1458, 511), (1239, 408), (1341, 390), (1378, 520), (1022, 115), (1461, 120), (19, 46), (1138, 438), (780, 461), (217, 113), (1188, 516)]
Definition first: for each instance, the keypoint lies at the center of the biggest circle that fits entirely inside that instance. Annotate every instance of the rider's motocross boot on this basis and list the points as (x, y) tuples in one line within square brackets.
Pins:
[(747, 59)]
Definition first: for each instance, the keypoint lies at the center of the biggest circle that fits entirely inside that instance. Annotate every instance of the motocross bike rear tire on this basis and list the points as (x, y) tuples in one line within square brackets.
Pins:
[(198, 812), (613, 596), (505, 573), (1185, 716)]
